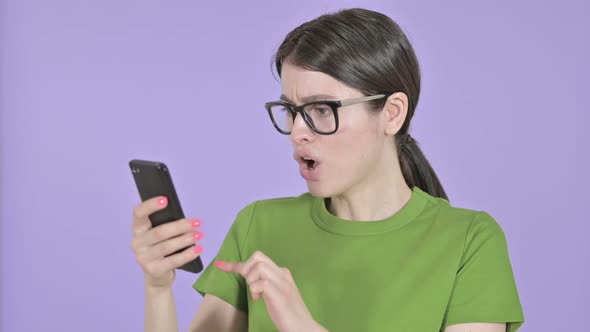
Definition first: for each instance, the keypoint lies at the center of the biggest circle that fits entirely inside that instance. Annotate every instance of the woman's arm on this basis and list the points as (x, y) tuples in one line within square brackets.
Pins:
[(160, 311), (214, 314), (477, 327)]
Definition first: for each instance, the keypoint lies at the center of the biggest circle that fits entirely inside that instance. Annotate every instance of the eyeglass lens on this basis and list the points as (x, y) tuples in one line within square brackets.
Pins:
[(320, 116)]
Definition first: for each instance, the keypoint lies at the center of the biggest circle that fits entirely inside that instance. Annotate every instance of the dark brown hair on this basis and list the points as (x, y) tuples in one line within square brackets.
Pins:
[(367, 51)]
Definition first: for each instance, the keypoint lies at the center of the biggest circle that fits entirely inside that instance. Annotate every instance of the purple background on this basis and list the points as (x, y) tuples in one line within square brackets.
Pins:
[(88, 85)]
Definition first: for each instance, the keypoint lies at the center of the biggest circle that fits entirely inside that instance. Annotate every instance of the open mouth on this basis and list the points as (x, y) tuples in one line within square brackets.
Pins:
[(310, 163)]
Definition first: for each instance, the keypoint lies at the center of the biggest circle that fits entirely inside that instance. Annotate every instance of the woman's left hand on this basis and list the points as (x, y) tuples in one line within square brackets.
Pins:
[(275, 284)]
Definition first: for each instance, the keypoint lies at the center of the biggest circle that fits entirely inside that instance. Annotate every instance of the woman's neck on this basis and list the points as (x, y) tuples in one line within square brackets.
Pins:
[(377, 197)]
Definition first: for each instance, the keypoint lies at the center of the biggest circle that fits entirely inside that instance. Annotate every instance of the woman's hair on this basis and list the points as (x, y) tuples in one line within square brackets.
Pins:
[(368, 51)]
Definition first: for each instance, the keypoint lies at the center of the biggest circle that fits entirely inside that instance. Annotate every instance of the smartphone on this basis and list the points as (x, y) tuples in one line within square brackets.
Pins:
[(153, 179)]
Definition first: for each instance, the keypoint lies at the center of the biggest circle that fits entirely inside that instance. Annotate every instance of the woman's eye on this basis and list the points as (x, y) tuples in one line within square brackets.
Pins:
[(321, 110), (285, 111)]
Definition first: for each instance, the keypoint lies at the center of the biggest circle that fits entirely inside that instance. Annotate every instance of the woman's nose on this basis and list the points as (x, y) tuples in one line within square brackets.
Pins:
[(300, 129)]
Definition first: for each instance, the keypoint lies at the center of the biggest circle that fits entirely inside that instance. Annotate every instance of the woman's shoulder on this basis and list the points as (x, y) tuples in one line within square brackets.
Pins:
[(459, 216)]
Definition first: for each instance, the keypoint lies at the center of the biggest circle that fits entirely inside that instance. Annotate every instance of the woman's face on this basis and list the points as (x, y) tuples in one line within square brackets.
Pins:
[(349, 156)]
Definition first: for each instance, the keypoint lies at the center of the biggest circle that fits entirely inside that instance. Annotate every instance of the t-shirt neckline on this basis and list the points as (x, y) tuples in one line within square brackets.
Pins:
[(333, 224)]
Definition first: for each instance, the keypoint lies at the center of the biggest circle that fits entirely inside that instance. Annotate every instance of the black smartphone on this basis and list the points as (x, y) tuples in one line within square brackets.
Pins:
[(153, 179)]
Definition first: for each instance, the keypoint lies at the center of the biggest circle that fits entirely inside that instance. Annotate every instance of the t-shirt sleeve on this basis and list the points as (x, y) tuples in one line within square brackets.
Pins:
[(485, 289), (230, 287)]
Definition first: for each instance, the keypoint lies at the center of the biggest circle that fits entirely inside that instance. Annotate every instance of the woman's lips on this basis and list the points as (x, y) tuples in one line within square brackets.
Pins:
[(309, 174), (303, 157)]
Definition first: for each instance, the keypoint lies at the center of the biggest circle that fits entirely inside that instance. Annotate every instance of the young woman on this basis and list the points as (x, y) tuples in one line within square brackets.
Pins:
[(375, 244)]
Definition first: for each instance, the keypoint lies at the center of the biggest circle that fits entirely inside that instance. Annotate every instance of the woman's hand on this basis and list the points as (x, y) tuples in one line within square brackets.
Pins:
[(275, 284), (152, 245)]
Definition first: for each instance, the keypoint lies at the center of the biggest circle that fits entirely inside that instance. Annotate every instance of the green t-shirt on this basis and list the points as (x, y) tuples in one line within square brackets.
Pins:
[(428, 266)]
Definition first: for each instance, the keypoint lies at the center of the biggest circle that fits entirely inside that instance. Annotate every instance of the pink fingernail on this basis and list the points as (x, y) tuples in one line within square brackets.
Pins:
[(163, 200), (198, 249), (197, 235), (219, 263), (195, 223)]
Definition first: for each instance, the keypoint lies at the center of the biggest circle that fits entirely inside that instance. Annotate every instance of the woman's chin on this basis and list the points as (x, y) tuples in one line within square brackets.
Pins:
[(318, 190)]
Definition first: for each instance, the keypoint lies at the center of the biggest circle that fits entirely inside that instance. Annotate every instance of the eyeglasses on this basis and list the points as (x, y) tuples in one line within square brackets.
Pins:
[(320, 116)]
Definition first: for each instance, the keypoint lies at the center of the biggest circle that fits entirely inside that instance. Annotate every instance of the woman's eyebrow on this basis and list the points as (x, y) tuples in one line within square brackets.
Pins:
[(309, 98)]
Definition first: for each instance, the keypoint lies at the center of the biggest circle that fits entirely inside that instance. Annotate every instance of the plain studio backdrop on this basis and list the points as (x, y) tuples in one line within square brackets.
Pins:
[(88, 85)]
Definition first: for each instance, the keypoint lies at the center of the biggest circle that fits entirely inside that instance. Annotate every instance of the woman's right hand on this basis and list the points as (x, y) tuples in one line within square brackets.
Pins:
[(152, 244)]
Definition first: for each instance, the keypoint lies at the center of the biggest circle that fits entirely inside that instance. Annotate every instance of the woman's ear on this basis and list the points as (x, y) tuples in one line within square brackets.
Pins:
[(394, 112)]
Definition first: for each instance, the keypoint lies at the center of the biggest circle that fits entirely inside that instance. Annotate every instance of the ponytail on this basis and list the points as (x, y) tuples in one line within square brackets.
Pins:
[(415, 167)]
